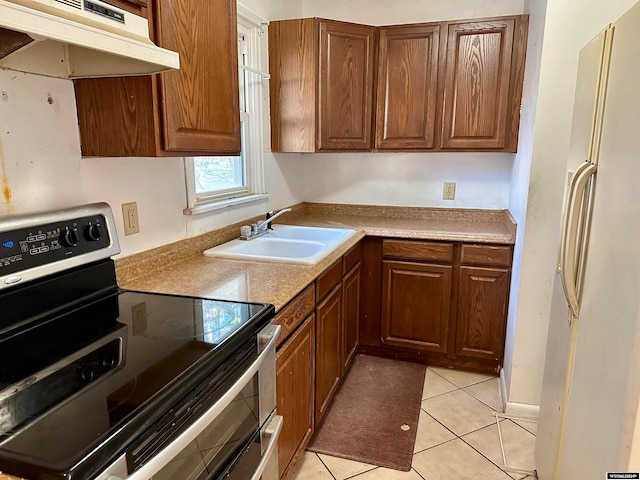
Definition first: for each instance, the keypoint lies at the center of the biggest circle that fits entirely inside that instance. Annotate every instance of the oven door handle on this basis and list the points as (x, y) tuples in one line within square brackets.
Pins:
[(271, 432), (270, 335)]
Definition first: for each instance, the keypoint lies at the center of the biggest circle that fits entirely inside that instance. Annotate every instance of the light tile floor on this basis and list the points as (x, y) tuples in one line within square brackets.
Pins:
[(457, 437)]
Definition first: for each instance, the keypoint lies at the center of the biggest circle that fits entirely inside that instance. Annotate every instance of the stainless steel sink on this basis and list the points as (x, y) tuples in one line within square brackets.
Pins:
[(286, 243)]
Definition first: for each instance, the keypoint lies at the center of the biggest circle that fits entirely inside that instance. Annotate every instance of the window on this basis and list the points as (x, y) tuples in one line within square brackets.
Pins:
[(217, 182)]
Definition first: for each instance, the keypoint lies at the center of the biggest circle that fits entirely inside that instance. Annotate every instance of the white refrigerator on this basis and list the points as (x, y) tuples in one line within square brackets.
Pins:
[(589, 423)]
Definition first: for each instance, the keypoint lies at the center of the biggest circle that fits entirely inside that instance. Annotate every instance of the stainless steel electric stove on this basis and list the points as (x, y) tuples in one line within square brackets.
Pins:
[(98, 382)]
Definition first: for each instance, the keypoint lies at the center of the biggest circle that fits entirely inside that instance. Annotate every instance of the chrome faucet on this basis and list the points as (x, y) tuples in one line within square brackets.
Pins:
[(257, 229)]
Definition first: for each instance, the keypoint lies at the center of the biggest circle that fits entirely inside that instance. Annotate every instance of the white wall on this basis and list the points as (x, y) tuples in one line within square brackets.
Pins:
[(39, 143), (385, 12), (41, 166), (568, 26), (412, 179), (409, 179), (274, 9), (518, 207)]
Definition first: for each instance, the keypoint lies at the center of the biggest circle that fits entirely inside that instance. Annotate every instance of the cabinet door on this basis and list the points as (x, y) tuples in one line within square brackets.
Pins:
[(294, 389), (415, 305), (293, 87), (345, 88), (200, 102), (482, 312), (328, 349), (117, 117), (476, 87), (351, 315), (407, 84)]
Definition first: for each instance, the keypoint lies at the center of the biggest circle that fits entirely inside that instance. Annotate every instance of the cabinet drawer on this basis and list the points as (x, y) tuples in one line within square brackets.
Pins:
[(351, 258), (439, 252), (490, 255), (329, 279), (296, 311)]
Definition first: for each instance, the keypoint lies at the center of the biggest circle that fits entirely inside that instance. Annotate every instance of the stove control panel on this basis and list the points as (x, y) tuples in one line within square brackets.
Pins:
[(32, 246)]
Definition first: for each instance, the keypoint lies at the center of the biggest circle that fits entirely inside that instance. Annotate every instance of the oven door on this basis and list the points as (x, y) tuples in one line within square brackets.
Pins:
[(236, 438)]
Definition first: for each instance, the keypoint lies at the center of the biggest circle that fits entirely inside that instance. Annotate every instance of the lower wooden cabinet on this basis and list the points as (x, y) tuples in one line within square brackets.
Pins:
[(482, 312), (314, 352), (295, 367), (328, 349), (442, 303), (415, 305), (351, 315)]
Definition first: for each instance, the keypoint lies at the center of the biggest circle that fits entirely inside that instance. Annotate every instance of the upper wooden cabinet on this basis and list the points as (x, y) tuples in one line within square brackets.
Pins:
[(321, 85), (194, 110), (345, 89), (482, 86), (407, 87), (440, 86)]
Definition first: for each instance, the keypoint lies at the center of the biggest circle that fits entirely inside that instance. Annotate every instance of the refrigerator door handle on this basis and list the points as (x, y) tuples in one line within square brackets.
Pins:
[(570, 234), (565, 222)]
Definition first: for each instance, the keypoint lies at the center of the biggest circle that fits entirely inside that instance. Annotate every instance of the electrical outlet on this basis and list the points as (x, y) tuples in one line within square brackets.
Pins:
[(449, 191), (130, 218)]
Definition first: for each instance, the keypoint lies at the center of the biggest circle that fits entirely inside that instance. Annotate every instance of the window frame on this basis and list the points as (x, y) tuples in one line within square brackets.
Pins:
[(254, 30)]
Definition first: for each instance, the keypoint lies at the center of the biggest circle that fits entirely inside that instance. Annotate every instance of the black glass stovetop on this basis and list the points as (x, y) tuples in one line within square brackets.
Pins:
[(77, 387)]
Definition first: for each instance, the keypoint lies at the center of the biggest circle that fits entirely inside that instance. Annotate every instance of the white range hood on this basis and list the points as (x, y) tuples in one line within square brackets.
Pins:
[(78, 39)]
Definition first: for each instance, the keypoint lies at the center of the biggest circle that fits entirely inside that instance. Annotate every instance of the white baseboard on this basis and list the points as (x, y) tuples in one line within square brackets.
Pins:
[(513, 408)]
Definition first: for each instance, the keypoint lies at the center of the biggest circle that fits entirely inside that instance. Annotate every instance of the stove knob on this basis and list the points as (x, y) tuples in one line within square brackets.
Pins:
[(93, 231), (87, 374), (69, 237), (109, 362)]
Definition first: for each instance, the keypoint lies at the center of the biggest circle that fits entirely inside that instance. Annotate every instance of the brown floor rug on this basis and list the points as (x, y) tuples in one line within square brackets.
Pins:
[(368, 417)]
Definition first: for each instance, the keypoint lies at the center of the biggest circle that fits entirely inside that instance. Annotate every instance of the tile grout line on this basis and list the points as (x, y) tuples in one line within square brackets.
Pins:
[(479, 428), (374, 467), (480, 400), (535, 435), (325, 466), (488, 459), (416, 471), (517, 425), (440, 394), (439, 422), (482, 454), (460, 437), (471, 384), (460, 388)]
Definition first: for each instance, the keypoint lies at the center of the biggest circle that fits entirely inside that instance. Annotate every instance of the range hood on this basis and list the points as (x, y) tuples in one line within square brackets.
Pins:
[(78, 39)]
